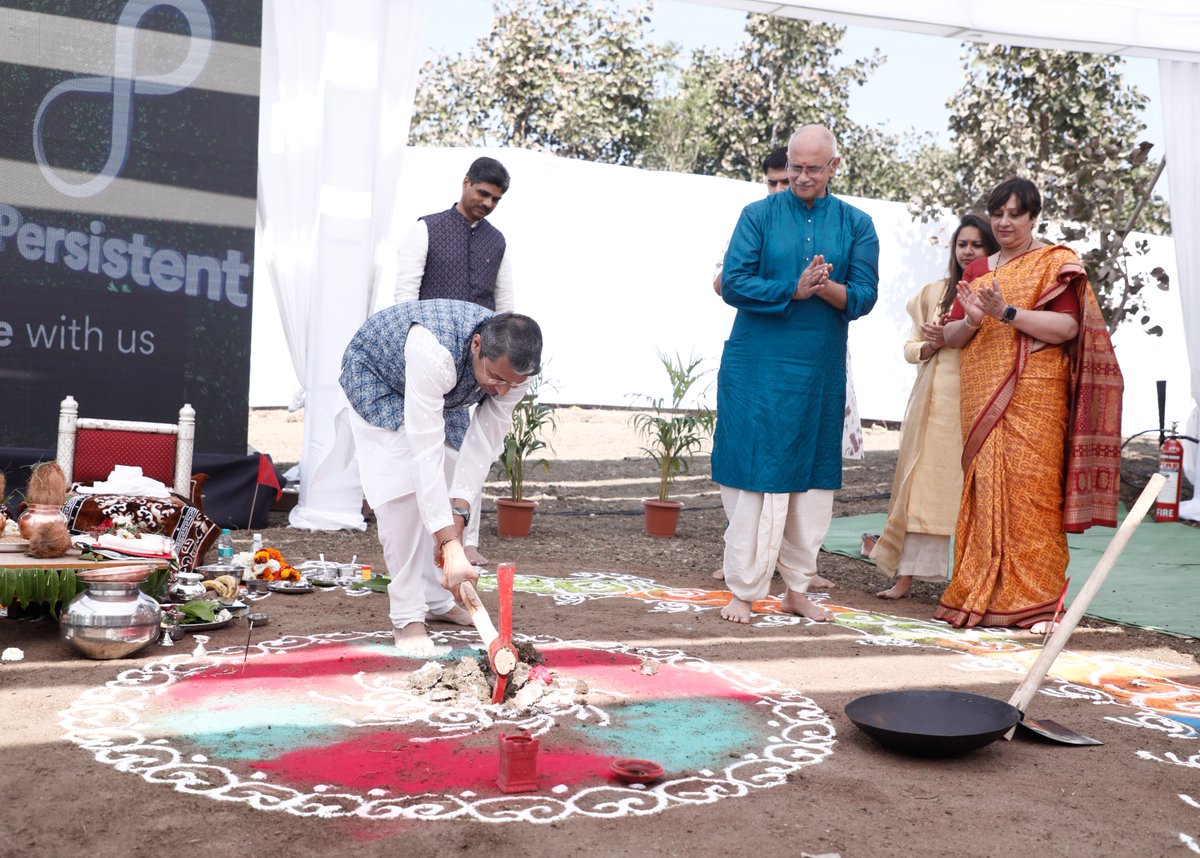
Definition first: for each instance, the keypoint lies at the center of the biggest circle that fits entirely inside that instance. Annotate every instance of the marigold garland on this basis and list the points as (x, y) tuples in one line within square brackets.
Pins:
[(271, 566)]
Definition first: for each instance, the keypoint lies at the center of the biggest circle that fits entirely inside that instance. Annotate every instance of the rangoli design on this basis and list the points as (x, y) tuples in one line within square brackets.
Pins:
[(327, 725)]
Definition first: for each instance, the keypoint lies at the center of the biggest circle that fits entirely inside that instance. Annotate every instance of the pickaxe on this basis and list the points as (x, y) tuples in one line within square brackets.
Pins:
[(502, 655)]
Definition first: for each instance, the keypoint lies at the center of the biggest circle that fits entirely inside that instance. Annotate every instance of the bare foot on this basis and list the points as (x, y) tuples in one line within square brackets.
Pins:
[(737, 611), (902, 589), (474, 557), (413, 639), (821, 583), (1043, 627), (719, 575), (798, 603), (456, 615)]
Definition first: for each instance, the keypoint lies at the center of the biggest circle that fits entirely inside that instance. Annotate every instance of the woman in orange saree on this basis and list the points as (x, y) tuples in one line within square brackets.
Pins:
[(1040, 397)]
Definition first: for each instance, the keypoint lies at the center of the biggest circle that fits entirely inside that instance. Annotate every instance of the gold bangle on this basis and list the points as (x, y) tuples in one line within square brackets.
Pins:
[(967, 319)]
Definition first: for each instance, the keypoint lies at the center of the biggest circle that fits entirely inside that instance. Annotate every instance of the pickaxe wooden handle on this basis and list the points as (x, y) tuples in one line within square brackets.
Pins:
[(501, 654)]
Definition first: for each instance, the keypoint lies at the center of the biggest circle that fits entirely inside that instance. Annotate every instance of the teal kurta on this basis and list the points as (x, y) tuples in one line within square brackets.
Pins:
[(781, 388)]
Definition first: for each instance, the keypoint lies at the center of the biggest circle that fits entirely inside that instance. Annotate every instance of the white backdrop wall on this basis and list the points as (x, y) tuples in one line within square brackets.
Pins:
[(328, 201), (615, 262)]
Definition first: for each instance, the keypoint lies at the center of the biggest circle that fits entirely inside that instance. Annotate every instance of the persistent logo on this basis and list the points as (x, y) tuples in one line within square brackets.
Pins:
[(123, 86)]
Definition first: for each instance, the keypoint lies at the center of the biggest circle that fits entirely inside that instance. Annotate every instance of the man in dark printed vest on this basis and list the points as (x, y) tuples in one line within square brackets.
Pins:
[(405, 368), (457, 254)]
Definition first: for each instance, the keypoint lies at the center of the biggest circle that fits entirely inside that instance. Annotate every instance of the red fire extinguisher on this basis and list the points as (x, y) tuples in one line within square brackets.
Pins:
[(1170, 463)]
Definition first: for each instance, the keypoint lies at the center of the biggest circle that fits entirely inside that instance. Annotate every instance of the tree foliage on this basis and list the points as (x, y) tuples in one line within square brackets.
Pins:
[(1068, 122), (723, 113), (567, 76), (582, 79)]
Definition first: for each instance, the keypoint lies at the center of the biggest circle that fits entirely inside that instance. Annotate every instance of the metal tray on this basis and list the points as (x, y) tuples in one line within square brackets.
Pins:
[(14, 547), (291, 589), (207, 627)]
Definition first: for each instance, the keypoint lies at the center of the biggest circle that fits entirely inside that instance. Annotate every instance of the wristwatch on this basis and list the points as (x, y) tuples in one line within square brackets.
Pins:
[(1010, 313), (464, 511)]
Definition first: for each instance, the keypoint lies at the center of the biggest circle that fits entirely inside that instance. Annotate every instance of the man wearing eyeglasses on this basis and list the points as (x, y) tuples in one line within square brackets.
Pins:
[(457, 254), (800, 267), (776, 178), (406, 368)]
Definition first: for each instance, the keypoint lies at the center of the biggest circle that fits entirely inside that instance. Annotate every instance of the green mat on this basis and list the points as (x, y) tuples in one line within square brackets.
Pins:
[(1154, 585)]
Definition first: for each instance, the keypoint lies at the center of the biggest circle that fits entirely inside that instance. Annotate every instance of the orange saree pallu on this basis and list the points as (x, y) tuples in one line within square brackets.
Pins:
[(1041, 450)]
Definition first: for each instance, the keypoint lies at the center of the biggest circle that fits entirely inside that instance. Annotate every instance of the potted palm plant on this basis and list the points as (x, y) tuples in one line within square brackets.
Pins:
[(673, 435), (530, 418)]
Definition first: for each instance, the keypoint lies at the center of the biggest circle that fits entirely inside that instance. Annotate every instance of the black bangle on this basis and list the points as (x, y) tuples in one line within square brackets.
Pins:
[(442, 544)]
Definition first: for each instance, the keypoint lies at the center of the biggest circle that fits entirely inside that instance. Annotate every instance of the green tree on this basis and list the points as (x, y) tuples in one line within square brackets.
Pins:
[(724, 112), (678, 138), (567, 76), (1068, 122), (783, 75)]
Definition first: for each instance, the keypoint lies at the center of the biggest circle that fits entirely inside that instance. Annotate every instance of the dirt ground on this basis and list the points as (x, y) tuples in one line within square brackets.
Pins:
[(590, 581)]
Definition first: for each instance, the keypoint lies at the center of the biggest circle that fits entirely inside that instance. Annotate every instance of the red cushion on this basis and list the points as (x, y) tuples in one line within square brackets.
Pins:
[(98, 451)]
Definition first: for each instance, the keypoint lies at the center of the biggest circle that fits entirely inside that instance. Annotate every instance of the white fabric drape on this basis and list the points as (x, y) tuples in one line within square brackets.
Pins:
[(337, 90), (1180, 84)]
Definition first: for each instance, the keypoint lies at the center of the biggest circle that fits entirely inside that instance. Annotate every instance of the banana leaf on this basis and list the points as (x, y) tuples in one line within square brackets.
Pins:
[(55, 588), (34, 586), (375, 585)]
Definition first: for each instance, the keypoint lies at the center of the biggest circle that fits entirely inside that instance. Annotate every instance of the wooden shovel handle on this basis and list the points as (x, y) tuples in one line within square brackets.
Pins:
[(1033, 680)]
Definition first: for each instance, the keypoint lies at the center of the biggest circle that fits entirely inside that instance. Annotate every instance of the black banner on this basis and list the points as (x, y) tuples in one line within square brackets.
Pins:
[(128, 175)]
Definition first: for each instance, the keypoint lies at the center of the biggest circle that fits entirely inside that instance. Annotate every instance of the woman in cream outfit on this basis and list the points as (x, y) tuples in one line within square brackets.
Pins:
[(923, 509)]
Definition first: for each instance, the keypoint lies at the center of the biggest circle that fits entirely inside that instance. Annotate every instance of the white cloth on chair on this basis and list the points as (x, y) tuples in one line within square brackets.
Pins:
[(127, 480)]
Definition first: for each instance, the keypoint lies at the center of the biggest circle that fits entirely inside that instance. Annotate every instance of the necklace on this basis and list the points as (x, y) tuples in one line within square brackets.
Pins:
[(1000, 254)]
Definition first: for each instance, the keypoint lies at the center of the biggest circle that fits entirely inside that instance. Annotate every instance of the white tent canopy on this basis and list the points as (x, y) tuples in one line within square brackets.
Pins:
[(336, 189)]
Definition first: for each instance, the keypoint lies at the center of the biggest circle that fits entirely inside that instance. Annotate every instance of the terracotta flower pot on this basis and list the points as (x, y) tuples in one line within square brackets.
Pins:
[(514, 518), (662, 517)]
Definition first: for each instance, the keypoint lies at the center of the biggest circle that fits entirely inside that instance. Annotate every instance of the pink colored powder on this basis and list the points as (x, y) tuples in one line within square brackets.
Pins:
[(621, 672), (391, 762)]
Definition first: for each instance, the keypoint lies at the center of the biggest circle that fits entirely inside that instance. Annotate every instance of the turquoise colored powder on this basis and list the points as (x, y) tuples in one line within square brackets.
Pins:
[(679, 735)]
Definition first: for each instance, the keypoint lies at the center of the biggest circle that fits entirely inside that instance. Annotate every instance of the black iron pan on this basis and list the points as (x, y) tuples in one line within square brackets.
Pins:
[(948, 723)]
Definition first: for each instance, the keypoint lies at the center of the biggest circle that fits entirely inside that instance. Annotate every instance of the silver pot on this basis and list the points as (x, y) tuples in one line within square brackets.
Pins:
[(110, 619), (186, 586)]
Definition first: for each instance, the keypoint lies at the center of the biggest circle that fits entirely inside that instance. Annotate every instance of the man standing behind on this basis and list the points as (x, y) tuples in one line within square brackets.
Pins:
[(457, 254), (800, 266), (775, 177), (408, 365)]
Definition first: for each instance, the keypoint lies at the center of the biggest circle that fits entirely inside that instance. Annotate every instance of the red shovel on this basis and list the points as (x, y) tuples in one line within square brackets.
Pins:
[(502, 655)]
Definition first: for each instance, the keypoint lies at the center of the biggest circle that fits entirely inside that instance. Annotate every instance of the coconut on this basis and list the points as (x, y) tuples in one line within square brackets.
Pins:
[(51, 539), (47, 485)]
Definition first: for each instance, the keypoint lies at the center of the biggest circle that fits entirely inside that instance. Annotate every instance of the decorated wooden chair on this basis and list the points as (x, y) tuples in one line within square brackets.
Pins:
[(89, 448)]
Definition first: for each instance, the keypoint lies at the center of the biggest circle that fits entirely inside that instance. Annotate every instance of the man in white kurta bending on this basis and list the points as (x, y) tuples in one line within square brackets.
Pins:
[(406, 367)]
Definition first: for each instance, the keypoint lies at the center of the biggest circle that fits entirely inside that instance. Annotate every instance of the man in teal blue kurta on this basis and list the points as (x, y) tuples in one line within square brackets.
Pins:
[(800, 267)]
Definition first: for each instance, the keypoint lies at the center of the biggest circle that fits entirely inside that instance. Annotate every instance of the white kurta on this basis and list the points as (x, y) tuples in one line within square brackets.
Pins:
[(410, 474)]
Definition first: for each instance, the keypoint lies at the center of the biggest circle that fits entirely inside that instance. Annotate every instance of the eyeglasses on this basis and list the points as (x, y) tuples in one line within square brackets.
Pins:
[(506, 384), (495, 381), (810, 169)]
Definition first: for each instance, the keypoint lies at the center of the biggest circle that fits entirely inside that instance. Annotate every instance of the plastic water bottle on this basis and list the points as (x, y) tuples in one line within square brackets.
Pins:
[(225, 547), (258, 544)]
